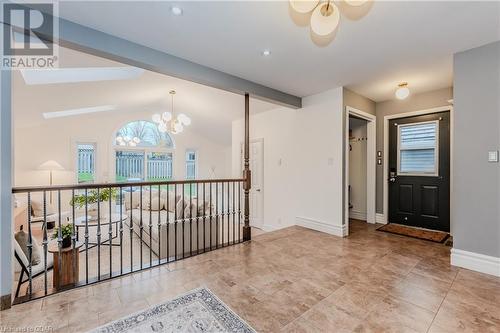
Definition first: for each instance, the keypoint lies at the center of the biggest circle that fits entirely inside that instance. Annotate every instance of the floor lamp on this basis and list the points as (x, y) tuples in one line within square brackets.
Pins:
[(50, 166)]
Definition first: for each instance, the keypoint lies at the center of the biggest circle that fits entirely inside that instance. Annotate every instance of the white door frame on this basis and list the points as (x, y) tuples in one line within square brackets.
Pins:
[(260, 223), (371, 165), (386, 152)]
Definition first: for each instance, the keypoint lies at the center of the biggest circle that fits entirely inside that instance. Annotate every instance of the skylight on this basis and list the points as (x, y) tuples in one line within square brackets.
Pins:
[(83, 74), (76, 112)]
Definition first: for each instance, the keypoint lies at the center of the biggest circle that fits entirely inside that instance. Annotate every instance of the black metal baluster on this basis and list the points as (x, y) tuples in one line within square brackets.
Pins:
[(30, 249), (151, 226), (197, 218), (234, 213), (121, 230), (239, 211), (141, 226), (175, 222), (110, 234), (59, 234), (45, 239), (131, 230), (183, 217), (168, 222), (98, 234), (159, 225), (211, 217), (216, 215), (228, 214), (203, 224), (86, 237), (190, 219)]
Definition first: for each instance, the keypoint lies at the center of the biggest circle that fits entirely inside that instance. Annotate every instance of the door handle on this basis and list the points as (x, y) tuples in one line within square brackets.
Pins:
[(258, 190), (392, 179)]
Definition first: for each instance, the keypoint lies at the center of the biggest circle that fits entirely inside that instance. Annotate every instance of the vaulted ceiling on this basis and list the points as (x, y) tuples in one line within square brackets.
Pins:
[(375, 47)]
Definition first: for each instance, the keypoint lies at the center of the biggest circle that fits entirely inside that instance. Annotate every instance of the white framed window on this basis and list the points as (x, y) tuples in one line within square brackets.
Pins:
[(191, 164), (85, 162), (143, 153), (418, 149)]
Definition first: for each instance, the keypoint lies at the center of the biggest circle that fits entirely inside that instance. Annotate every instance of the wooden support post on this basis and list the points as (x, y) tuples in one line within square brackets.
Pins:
[(247, 231)]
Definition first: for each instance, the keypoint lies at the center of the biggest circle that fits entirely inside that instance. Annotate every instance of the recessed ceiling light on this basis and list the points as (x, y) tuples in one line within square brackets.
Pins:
[(176, 10), (266, 53)]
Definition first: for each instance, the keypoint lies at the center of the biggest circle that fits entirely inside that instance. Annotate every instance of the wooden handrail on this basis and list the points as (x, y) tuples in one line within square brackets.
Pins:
[(25, 189)]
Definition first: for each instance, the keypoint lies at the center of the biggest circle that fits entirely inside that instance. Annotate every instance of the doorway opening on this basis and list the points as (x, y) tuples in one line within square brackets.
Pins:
[(360, 167)]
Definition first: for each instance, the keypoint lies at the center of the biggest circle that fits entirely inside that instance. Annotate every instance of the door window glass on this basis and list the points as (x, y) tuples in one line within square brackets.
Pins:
[(418, 148)]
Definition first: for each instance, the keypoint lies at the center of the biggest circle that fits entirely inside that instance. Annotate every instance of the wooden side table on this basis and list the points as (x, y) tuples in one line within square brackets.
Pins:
[(68, 274)]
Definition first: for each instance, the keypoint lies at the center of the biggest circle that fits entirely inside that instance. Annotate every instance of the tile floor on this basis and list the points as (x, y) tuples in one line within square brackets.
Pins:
[(298, 280)]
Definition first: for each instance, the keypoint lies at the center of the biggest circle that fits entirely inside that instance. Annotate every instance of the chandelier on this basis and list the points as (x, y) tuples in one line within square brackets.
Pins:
[(168, 122), (325, 15), (127, 141)]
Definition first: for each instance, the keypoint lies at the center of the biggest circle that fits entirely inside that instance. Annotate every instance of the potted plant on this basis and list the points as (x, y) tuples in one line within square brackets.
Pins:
[(66, 233), (93, 197)]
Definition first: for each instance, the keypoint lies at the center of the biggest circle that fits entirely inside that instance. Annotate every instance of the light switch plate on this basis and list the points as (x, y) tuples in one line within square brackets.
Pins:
[(493, 156)]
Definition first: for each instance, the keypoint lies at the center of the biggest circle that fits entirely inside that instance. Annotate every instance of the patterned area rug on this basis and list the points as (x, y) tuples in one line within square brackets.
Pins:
[(430, 235), (197, 311)]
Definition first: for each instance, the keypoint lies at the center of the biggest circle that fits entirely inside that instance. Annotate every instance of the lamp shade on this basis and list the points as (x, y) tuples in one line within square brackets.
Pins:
[(303, 6), (325, 19), (50, 165)]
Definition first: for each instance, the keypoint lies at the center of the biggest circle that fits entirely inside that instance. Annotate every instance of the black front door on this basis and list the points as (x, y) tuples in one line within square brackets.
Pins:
[(419, 171)]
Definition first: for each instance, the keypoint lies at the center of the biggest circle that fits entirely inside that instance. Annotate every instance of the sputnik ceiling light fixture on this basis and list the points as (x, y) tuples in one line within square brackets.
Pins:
[(325, 15), (167, 122)]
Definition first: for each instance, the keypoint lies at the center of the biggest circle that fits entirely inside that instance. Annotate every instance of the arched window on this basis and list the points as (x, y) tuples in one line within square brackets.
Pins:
[(143, 153), (142, 134)]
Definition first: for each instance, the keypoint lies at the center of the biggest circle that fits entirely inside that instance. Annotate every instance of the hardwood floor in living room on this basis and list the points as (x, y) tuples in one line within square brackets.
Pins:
[(298, 280)]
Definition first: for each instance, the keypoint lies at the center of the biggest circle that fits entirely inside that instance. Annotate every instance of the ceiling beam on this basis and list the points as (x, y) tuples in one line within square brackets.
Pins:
[(81, 38)]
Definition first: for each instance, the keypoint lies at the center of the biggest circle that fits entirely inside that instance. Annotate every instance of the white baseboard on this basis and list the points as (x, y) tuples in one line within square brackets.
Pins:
[(328, 228), (380, 218), (475, 261), (357, 215), (269, 228)]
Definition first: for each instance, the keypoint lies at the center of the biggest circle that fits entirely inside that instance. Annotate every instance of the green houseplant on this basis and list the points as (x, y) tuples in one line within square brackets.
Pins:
[(66, 233), (93, 197)]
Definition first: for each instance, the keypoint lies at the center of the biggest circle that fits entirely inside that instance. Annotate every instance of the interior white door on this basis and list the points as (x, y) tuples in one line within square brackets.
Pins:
[(257, 190)]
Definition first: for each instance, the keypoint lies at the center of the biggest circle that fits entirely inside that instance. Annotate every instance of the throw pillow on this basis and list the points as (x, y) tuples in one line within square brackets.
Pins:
[(21, 238)]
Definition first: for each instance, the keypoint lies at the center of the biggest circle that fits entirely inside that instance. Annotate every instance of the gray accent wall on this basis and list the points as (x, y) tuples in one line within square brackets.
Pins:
[(357, 101), (423, 101), (476, 182)]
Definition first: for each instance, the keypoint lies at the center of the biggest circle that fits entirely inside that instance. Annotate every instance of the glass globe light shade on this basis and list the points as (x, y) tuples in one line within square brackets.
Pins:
[(325, 19), (122, 143), (178, 127), (136, 139), (303, 6), (162, 127), (126, 138), (119, 138), (132, 144), (166, 116), (156, 118), (183, 119), (402, 92)]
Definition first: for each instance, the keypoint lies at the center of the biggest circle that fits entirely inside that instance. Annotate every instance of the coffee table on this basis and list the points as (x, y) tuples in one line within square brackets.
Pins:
[(103, 222)]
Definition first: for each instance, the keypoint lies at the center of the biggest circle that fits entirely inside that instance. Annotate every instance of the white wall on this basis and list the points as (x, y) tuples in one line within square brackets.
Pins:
[(57, 138), (302, 162), (357, 168)]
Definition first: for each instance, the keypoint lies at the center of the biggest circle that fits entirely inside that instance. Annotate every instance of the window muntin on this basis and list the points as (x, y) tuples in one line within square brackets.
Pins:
[(418, 149), (191, 160), (129, 165), (85, 161)]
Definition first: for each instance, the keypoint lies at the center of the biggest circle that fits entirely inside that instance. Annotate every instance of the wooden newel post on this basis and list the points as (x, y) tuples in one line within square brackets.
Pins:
[(247, 175)]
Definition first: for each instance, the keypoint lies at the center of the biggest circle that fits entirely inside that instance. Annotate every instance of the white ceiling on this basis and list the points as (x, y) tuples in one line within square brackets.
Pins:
[(375, 47), (211, 110)]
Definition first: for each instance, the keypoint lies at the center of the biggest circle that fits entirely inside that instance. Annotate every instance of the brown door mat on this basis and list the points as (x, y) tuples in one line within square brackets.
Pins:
[(430, 235)]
